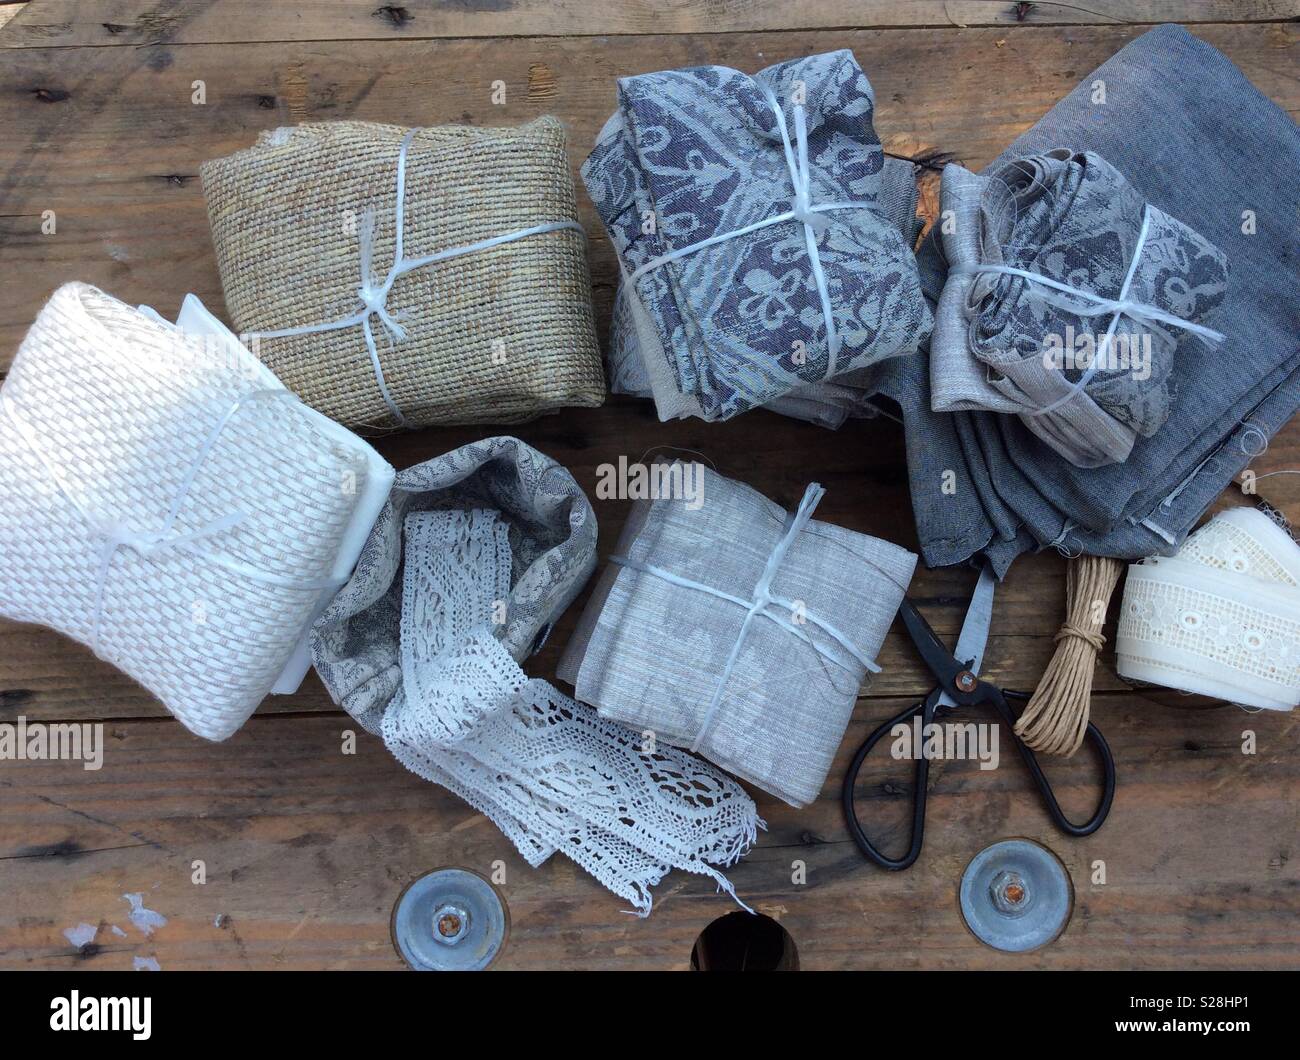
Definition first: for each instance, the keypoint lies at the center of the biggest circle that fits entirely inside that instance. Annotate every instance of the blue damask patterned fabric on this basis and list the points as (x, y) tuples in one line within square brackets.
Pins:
[(693, 154), (1084, 381)]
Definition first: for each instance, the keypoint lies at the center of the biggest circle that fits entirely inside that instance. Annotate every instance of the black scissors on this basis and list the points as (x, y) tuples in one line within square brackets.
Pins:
[(960, 687)]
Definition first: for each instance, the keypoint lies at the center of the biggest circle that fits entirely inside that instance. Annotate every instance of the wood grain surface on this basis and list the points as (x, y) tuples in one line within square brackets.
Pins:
[(306, 848)]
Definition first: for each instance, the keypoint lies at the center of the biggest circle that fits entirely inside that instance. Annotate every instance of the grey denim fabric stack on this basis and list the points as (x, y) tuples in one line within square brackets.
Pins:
[(652, 654), (1086, 382), (1191, 134)]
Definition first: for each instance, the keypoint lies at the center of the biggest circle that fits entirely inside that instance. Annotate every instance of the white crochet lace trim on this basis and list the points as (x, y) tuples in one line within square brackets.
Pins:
[(1221, 618), (550, 772)]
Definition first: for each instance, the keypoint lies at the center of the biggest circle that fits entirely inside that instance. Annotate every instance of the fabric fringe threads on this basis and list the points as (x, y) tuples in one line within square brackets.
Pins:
[(166, 501), (1056, 717), (334, 298)]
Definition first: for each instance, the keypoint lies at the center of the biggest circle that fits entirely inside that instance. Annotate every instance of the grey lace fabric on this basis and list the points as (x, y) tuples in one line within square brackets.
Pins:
[(1087, 383), (476, 552), (653, 654), (693, 155)]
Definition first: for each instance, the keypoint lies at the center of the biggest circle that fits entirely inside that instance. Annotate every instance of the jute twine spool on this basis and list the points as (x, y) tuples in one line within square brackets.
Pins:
[(1056, 718)]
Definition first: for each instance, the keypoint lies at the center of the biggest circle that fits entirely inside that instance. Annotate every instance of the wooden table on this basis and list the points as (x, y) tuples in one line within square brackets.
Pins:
[(305, 849)]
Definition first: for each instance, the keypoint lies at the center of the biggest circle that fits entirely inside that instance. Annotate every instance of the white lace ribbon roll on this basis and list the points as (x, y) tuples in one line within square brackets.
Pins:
[(1222, 618)]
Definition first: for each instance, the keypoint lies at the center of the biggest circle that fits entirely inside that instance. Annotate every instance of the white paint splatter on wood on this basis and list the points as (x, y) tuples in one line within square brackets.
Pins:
[(81, 935), (145, 920)]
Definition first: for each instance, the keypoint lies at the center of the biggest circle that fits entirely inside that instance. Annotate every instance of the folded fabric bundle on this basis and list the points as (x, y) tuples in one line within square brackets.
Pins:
[(1066, 299), (166, 501), (983, 482), (748, 218), (406, 277), (738, 630), (827, 404), (493, 540), (1221, 618)]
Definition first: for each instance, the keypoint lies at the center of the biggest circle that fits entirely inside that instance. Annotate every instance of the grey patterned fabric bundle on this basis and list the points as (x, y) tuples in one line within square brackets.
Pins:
[(748, 217), (661, 656), (305, 228), (827, 404), (1085, 380)]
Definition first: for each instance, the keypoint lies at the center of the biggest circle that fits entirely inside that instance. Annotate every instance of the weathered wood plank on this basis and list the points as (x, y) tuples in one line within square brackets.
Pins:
[(306, 849), (72, 23), (111, 143)]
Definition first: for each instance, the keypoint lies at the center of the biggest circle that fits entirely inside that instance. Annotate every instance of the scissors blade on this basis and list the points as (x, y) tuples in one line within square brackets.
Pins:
[(974, 635)]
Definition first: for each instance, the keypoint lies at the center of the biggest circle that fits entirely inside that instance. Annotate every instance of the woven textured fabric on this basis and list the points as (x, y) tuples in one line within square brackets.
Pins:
[(740, 322), (651, 653), (126, 447), (499, 335), (1221, 618), (1005, 343), (356, 645)]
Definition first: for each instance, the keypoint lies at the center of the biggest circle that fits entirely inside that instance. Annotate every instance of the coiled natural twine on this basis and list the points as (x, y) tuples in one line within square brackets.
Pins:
[(1056, 717)]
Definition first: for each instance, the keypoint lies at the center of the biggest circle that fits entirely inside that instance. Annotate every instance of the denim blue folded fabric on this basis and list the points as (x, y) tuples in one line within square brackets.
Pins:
[(1195, 138), (691, 155)]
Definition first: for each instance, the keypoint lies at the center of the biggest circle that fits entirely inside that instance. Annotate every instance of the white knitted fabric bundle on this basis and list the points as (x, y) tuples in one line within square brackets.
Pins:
[(164, 500), (1221, 618), (550, 772)]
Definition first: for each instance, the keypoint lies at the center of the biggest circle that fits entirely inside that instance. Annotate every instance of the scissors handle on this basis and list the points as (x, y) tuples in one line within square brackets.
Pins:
[(926, 708), (1092, 734)]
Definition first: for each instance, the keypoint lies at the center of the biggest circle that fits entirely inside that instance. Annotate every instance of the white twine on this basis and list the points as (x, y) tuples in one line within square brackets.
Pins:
[(803, 211), (116, 534), (758, 605), (1122, 306), (373, 292)]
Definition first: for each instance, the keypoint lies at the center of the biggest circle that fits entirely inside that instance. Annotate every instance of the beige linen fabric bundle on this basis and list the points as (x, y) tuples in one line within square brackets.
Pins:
[(498, 335)]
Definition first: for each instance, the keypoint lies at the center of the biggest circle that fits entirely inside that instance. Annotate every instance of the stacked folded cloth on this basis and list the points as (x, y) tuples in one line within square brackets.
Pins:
[(1041, 252), (474, 556), (407, 277), (762, 242), (983, 482), (166, 501), (739, 630), (1221, 618)]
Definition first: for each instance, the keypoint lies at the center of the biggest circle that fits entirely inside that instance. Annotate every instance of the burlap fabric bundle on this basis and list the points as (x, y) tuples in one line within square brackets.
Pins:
[(164, 500), (496, 335), (653, 653)]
